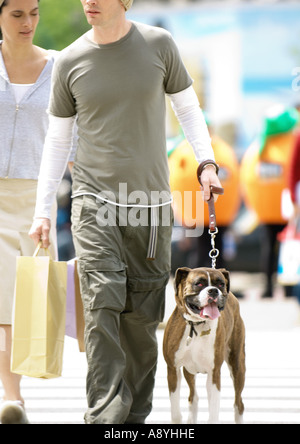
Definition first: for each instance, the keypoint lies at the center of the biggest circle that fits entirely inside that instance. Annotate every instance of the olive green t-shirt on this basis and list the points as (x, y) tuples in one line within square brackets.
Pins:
[(118, 93)]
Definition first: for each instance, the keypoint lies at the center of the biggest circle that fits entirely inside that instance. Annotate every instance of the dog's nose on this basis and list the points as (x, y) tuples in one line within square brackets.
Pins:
[(213, 294)]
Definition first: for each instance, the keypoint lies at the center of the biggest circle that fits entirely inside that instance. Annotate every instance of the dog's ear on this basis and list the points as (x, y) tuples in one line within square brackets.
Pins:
[(227, 278), (180, 274)]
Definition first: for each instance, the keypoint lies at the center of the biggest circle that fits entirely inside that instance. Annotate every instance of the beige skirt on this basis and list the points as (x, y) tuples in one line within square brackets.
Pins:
[(17, 204)]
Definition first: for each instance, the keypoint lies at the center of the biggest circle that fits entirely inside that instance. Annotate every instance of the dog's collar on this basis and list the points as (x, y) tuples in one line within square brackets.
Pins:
[(193, 330)]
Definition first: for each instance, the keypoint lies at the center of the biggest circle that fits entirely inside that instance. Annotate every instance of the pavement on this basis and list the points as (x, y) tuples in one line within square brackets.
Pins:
[(272, 391)]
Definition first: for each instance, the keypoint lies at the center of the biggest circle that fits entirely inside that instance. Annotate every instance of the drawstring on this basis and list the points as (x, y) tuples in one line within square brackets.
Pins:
[(153, 234)]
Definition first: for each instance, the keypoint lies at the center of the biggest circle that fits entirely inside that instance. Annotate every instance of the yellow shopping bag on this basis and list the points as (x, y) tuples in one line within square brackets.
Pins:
[(39, 316)]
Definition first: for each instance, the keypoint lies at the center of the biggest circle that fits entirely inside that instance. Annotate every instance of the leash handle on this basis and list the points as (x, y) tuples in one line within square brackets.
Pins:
[(213, 190), (211, 207)]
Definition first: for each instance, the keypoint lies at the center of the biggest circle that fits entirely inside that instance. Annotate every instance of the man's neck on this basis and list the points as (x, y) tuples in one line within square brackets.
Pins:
[(110, 33)]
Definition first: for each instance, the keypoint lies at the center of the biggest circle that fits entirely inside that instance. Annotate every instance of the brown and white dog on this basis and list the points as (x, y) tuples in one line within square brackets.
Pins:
[(204, 330)]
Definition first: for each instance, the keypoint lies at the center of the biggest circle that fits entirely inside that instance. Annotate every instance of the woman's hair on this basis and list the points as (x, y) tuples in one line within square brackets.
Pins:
[(5, 3)]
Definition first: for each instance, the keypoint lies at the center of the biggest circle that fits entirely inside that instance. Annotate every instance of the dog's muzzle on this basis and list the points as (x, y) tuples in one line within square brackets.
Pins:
[(211, 309)]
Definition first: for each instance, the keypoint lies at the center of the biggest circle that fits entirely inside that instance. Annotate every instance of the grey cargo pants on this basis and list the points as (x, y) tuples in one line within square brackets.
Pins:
[(124, 300)]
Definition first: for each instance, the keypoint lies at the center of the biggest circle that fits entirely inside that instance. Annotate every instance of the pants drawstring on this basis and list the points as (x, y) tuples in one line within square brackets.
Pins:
[(153, 234)]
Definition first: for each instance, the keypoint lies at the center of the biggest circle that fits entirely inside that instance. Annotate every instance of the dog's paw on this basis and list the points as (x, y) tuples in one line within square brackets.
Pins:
[(177, 419), (192, 419)]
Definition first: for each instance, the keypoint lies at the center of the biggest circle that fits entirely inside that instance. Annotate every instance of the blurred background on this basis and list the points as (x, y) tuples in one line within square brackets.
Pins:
[(244, 57)]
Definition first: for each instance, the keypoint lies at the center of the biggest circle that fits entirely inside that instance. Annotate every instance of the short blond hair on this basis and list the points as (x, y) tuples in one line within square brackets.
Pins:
[(127, 4)]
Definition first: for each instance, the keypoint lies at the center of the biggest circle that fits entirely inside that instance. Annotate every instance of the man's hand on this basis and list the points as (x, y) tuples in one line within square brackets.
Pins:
[(40, 231), (209, 178)]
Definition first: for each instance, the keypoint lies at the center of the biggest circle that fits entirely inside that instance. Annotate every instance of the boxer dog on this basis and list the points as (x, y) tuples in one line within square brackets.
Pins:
[(204, 330)]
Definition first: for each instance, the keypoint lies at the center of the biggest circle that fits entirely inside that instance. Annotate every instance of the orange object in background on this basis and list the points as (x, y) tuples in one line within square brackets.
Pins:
[(264, 176), (183, 169)]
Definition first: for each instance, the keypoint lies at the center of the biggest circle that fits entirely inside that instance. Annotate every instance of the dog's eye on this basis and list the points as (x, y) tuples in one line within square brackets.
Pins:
[(199, 284), (221, 285)]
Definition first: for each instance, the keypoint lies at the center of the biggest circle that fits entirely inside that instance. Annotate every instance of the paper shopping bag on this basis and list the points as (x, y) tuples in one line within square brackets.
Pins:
[(289, 255), (39, 317), (74, 311)]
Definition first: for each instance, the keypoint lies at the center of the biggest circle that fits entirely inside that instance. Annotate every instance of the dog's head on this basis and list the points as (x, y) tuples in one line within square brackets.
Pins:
[(201, 293)]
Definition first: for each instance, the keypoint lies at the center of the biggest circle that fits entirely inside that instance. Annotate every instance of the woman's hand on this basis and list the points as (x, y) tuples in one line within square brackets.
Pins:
[(40, 231)]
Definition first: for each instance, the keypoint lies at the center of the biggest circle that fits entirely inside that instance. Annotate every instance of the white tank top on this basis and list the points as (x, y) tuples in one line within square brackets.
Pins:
[(20, 90)]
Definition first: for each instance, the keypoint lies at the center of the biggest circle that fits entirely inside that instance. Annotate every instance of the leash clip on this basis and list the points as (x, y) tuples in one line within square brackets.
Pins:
[(214, 252), (213, 230)]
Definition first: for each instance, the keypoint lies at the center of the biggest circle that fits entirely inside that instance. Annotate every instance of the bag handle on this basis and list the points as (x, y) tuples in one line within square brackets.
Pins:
[(39, 246)]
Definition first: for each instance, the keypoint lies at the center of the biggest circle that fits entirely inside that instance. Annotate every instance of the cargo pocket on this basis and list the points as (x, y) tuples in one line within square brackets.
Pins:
[(76, 212), (84, 211), (146, 297), (103, 283)]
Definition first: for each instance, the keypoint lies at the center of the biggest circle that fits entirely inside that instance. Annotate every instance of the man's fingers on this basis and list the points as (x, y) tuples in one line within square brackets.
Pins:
[(209, 178), (206, 191)]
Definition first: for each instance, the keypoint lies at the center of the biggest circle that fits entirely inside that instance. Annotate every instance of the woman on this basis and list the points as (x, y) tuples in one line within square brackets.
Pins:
[(294, 176), (294, 186), (25, 74)]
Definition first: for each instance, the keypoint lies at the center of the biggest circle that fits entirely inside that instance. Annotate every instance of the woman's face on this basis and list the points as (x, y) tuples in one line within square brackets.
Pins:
[(18, 20)]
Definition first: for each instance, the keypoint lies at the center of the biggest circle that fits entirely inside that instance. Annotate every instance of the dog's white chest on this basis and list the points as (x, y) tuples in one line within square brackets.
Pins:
[(199, 355)]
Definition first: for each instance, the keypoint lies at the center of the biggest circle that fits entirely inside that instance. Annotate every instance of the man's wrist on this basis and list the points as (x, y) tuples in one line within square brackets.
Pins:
[(204, 165)]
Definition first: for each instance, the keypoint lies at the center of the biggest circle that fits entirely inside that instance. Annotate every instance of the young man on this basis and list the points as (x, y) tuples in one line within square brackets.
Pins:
[(114, 80)]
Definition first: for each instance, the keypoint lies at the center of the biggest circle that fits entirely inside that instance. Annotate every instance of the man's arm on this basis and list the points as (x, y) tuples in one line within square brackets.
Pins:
[(187, 109), (55, 157)]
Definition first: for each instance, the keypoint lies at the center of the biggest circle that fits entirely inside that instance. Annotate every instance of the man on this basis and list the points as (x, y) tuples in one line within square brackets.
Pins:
[(114, 80)]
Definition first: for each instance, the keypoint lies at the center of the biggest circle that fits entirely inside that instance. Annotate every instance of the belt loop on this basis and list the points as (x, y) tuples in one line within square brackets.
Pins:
[(153, 234)]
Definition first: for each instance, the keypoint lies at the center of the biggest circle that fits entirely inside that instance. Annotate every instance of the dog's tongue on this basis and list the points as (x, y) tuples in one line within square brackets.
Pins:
[(211, 311)]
